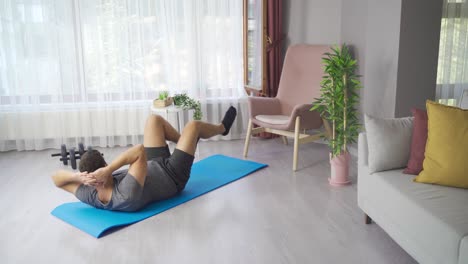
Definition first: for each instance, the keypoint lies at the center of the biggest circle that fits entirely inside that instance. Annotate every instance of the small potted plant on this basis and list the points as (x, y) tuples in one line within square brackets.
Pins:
[(337, 104), (163, 100), (185, 102)]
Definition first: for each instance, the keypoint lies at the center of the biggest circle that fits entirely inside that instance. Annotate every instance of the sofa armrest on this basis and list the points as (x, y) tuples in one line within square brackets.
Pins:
[(264, 106), (363, 152), (463, 253)]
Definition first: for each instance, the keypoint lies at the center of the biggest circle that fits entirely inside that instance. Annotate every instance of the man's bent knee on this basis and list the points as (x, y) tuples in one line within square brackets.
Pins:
[(193, 125), (155, 119)]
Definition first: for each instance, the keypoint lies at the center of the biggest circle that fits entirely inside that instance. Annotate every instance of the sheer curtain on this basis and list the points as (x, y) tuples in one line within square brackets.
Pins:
[(87, 70), (452, 73)]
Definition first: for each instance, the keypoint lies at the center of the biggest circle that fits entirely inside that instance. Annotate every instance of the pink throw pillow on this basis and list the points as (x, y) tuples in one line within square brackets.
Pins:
[(418, 144)]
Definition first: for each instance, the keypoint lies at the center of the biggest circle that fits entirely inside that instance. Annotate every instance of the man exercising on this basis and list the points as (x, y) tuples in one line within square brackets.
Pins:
[(154, 173)]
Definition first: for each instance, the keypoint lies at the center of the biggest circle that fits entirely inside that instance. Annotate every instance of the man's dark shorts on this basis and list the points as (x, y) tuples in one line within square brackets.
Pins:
[(177, 165)]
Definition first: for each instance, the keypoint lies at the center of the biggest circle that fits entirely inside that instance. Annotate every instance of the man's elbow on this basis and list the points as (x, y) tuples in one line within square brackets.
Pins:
[(140, 148), (56, 179), (139, 151)]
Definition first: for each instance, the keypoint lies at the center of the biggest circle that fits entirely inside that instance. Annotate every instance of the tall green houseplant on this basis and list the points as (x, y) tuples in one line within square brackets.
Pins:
[(339, 97)]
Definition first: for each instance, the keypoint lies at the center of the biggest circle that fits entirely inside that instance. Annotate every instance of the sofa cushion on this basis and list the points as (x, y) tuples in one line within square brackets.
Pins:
[(446, 153), (389, 142), (428, 221), (418, 142)]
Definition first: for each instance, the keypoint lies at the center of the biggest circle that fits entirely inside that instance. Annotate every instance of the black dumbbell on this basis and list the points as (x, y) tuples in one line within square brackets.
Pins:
[(81, 149), (64, 155)]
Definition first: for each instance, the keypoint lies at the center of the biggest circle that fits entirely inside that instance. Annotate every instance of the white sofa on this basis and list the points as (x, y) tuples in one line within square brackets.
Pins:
[(429, 221)]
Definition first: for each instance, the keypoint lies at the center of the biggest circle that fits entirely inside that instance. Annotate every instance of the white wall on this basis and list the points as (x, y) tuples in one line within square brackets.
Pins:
[(353, 28), (371, 28), (312, 21), (354, 34), (396, 44), (381, 59)]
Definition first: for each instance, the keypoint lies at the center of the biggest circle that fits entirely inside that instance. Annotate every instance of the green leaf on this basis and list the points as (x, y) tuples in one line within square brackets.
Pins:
[(338, 64)]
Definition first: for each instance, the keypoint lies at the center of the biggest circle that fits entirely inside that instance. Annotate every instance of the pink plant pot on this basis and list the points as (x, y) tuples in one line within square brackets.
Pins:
[(340, 170)]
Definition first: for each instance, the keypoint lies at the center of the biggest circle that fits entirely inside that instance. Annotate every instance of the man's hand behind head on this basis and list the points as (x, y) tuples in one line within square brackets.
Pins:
[(101, 176)]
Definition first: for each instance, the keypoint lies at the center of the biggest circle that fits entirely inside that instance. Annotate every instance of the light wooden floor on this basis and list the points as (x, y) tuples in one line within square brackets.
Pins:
[(271, 216)]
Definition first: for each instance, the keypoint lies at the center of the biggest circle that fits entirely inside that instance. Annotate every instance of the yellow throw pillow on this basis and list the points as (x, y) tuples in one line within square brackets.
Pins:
[(446, 156)]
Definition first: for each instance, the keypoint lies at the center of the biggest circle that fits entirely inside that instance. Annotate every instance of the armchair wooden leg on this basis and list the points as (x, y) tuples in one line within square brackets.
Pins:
[(285, 140), (247, 138), (296, 141)]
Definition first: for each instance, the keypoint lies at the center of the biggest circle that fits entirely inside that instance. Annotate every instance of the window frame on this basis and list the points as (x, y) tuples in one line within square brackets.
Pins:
[(252, 90)]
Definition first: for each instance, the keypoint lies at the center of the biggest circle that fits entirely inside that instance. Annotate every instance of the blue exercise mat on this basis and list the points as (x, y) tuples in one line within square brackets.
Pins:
[(207, 174)]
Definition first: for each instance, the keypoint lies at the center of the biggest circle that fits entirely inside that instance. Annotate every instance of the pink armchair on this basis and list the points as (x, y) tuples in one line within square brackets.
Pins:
[(288, 113)]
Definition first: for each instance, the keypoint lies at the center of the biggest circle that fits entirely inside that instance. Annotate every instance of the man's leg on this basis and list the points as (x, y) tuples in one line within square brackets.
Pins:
[(181, 160), (197, 129), (157, 131)]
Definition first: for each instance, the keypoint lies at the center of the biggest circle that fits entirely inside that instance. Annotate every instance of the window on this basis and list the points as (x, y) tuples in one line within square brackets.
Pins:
[(254, 45), (55, 52), (452, 74)]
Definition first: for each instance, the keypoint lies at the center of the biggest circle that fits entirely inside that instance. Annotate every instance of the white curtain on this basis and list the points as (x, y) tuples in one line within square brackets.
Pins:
[(452, 73), (86, 70)]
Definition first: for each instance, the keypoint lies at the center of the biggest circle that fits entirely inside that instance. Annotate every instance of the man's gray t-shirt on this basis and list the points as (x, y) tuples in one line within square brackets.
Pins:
[(128, 195)]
